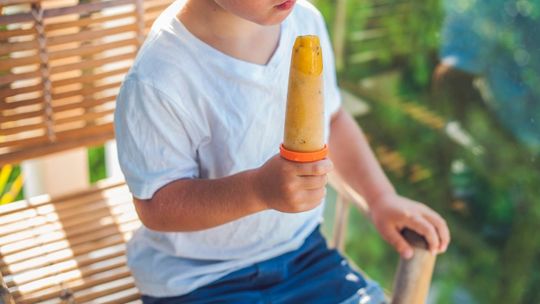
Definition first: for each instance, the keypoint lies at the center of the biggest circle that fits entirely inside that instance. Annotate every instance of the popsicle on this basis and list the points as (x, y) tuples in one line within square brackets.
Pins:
[(303, 139)]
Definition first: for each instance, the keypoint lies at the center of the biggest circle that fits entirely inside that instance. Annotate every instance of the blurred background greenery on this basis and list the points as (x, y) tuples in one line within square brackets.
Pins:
[(466, 167)]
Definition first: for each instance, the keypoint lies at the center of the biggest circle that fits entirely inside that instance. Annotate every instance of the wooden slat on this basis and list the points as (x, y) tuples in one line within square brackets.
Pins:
[(85, 118), (111, 248), (98, 242), (20, 104), (43, 270), (16, 18), (92, 294), (36, 286), (86, 91), (4, 93), (23, 252), (13, 2), (132, 298), (75, 286), (18, 62), (21, 116), (90, 35), (6, 79), (109, 251), (6, 48), (6, 34), (45, 273), (82, 254), (90, 78), (88, 21), (85, 8), (74, 236), (14, 223), (92, 49), (73, 139), (107, 189), (11, 145), (12, 218), (68, 226), (83, 104), (19, 129), (156, 8), (96, 63)]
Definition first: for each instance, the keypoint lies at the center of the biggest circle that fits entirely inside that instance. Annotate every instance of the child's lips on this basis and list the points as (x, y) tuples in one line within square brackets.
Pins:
[(286, 5)]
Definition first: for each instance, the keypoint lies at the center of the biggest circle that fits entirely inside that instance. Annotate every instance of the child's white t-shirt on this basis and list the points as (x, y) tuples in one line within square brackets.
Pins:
[(186, 110)]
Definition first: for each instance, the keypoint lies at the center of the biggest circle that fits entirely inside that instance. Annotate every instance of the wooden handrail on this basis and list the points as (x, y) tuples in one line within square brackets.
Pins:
[(413, 276)]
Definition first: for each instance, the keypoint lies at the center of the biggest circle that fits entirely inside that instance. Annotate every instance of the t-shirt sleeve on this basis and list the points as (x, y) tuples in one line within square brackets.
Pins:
[(156, 142), (465, 45)]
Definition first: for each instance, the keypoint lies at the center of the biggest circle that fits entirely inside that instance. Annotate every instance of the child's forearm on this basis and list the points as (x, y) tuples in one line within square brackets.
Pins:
[(197, 204), (390, 213), (354, 160)]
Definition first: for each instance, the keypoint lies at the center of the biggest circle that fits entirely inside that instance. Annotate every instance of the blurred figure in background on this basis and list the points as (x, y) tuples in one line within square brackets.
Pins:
[(496, 42), (490, 67)]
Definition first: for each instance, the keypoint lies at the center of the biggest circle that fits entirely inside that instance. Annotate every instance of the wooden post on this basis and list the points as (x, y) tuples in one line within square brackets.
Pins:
[(340, 223), (413, 277), (5, 296)]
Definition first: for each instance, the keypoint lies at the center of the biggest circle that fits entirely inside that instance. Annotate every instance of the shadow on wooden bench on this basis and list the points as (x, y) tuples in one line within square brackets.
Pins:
[(70, 248)]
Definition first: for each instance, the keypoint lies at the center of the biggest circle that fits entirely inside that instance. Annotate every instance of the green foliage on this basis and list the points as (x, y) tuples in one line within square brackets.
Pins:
[(10, 182), (96, 163), (404, 33), (490, 200)]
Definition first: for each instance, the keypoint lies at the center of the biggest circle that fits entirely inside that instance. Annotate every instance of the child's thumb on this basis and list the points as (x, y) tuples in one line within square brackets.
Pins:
[(400, 244)]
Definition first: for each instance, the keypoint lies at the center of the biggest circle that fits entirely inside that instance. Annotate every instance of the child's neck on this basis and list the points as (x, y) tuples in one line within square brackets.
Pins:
[(228, 33)]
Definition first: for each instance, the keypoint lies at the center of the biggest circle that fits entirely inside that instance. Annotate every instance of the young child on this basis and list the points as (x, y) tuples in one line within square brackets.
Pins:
[(199, 122)]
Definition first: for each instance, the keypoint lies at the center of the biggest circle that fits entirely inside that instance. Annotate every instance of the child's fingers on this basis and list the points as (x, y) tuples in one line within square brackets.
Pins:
[(314, 182), (320, 167), (440, 226), (427, 230), (394, 237)]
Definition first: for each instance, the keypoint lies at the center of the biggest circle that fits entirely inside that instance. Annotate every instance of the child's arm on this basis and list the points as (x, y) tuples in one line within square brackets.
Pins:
[(356, 163), (197, 204)]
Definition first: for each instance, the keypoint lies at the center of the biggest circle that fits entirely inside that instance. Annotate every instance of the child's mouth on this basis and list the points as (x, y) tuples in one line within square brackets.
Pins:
[(286, 5)]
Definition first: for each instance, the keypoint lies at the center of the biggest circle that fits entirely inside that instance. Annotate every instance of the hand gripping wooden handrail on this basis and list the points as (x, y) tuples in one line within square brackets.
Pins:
[(413, 276)]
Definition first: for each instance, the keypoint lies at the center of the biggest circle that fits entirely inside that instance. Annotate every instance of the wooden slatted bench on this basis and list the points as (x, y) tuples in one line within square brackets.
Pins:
[(70, 248), (61, 65)]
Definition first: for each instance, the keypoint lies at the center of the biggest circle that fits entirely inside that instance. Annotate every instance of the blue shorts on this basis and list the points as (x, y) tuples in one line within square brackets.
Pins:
[(312, 274)]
